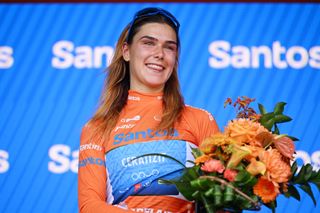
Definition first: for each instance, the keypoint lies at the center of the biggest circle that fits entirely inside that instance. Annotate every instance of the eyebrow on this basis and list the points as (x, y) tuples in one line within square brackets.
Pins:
[(154, 39)]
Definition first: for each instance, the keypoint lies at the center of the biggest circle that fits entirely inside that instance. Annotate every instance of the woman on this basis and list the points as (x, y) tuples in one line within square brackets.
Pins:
[(141, 112)]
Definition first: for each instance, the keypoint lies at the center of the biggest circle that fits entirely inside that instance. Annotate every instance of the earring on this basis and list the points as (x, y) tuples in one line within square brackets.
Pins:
[(126, 57)]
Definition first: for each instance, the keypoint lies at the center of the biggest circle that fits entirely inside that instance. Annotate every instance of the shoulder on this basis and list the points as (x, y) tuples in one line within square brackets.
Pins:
[(90, 133), (199, 122), (197, 113), (89, 127)]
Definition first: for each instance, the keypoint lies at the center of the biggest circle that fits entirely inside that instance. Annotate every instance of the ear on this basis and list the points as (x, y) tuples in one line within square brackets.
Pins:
[(125, 52)]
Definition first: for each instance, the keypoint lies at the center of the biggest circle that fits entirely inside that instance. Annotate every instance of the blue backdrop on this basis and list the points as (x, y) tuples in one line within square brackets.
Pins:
[(52, 58)]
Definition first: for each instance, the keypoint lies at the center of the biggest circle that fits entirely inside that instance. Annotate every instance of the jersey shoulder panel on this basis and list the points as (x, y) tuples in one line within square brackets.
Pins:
[(197, 113)]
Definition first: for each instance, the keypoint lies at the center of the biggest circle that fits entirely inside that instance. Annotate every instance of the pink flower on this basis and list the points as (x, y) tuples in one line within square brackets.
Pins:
[(213, 165), (230, 174)]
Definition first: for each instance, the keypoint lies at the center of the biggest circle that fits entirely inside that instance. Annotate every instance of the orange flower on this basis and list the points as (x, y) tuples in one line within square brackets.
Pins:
[(255, 151), (277, 169), (213, 165), (238, 153), (265, 138), (285, 146), (256, 167), (244, 131), (202, 159), (209, 144), (230, 174), (266, 189)]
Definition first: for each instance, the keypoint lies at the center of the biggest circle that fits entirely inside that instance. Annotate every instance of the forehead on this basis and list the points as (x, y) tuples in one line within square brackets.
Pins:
[(160, 31)]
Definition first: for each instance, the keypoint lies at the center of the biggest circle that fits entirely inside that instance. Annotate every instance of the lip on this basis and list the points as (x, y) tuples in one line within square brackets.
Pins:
[(155, 67)]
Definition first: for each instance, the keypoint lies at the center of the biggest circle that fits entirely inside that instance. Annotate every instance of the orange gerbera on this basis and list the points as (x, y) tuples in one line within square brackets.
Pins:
[(266, 189), (277, 169), (244, 131)]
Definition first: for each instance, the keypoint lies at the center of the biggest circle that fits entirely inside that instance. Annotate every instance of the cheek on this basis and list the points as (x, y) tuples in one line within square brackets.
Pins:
[(172, 59)]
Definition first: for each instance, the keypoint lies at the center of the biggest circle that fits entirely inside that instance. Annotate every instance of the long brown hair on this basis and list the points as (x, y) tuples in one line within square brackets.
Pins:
[(116, 86)]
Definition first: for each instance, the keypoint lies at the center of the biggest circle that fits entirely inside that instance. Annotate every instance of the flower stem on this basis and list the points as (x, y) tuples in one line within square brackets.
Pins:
[(223, 182)]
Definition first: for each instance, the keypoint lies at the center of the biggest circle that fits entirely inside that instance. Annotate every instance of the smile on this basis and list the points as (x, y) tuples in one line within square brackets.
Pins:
[(155, 67)]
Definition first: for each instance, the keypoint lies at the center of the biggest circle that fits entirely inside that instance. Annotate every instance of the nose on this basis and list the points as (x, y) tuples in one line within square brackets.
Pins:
[(159, 53)]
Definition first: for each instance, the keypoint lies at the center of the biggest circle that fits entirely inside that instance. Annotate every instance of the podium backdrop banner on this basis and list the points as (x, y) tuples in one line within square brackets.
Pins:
[(52, 58)]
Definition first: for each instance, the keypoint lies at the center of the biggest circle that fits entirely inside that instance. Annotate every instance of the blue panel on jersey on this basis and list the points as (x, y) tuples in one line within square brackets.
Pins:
[(133, 175)]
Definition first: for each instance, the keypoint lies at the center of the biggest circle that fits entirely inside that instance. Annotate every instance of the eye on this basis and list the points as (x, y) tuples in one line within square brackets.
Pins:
[(171, 47), (148, 42)]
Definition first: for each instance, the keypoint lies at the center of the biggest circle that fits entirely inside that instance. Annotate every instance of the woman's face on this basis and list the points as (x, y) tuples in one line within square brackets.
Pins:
[(151, 56)]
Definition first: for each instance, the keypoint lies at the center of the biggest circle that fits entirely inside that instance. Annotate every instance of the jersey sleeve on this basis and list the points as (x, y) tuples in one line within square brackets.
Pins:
[(92, 176), (207, 126), (201, 123)]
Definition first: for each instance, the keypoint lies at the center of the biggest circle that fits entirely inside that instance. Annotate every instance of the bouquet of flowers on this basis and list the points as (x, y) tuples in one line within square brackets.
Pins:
[(247, 165)]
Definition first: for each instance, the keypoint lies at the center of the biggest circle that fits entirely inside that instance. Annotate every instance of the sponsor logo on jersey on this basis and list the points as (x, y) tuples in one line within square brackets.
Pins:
[(137, 161), (133, 98), (135, 118), (90, 146), (144, 134), (125, 126), (91, 161)]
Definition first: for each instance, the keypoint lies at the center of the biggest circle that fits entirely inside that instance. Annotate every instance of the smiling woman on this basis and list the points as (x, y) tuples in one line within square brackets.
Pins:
[(141, 112), (152, 56)]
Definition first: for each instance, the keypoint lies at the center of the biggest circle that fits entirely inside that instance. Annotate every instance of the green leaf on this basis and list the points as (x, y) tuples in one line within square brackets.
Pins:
[(183, 187), (159, 154), (315, 178), (278, 109), (276, 130), (266, 117), (217, 195), (267, 120), (292, 192), (200, 184), (308, 172), (262, 109), (272, 205), (191, 173), (306, 187), (196, 152), (196, 194), (244, 178), (209, 193), (190, 161), (183, 182), (293, 138), (268, 124), (294, 168), (228, 194), (300, 177), (207, 204), (282, 118), (304, 174), (317, 185)]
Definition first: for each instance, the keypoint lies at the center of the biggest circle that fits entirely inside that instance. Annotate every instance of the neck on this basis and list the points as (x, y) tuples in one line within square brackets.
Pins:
[(148, 90)]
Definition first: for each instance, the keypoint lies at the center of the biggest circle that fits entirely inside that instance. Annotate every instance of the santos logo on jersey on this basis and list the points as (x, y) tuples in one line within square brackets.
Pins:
[(147, 134)]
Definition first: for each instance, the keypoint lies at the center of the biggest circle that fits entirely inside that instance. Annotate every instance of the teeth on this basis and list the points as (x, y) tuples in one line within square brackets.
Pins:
[(155, 67)]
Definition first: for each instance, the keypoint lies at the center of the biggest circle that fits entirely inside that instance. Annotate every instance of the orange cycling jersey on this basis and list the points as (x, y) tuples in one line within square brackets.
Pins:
[(121, 177)]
